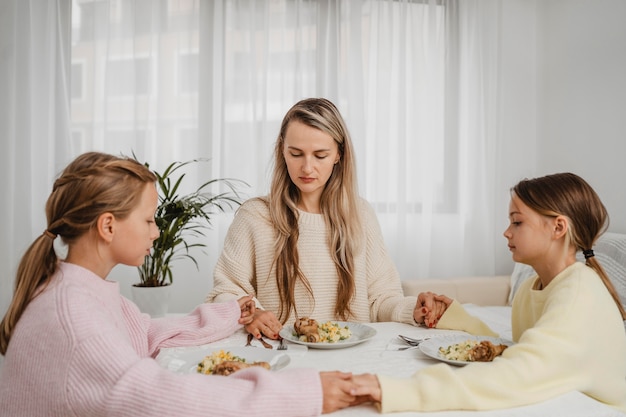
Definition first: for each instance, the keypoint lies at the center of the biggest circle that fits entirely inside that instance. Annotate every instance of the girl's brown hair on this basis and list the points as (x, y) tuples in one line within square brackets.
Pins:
[(568, 195), (339, 206), (93, 184)]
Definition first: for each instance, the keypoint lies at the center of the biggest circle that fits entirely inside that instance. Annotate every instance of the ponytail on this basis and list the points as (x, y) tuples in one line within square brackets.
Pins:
[(593, 263), (36, 267)]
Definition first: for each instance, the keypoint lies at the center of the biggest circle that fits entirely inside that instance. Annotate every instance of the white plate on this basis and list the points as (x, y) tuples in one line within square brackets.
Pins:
[(431, 346), (186, 362), (360, 333)]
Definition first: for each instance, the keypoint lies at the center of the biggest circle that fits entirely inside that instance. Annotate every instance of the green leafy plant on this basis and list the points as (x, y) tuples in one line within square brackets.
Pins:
[(181, 218)]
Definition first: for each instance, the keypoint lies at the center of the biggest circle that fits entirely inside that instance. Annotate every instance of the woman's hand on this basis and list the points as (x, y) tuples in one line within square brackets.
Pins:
[(430, 307), (247, 306), (264, 323), (339, 391)]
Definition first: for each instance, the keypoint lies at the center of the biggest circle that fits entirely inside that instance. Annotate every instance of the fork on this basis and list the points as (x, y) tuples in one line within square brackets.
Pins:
[(281, 345)]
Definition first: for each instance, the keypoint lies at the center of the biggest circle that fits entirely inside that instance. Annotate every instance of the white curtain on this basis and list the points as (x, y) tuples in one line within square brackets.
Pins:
[(417, 82), (34, 122)]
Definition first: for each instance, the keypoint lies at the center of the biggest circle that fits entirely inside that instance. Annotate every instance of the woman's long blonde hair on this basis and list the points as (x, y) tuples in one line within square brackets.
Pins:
[(568, 195), (93, 184), (338, 204)]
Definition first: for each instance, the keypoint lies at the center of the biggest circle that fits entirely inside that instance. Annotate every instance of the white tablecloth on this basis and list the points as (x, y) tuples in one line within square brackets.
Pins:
[(380, 355)]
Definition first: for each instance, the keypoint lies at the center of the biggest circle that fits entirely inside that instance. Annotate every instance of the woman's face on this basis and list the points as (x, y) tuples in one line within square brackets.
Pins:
[(310, 155)]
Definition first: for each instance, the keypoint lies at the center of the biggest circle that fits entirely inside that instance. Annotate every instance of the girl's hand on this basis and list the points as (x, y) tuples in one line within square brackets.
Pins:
[(248, 308), (368, 390), (430, 307), (339, 391), (264, 323)]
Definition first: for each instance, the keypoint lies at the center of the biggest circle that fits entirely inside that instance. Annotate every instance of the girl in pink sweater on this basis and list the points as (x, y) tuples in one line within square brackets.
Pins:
[(74, 346)]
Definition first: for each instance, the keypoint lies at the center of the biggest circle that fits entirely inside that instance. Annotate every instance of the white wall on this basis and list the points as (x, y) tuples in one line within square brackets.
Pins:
[(563, 98), (582, 96), (517, 117)]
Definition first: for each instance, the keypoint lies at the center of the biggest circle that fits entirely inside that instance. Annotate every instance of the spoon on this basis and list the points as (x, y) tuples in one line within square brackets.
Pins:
[(410, 340), (408, 347)]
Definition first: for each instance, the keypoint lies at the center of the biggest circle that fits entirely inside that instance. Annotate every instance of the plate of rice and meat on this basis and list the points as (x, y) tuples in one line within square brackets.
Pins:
[(226, 360), (463, 349), (327, 335)]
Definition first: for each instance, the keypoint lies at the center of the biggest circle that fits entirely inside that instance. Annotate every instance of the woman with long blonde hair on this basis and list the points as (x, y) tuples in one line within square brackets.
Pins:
[(312, 247)]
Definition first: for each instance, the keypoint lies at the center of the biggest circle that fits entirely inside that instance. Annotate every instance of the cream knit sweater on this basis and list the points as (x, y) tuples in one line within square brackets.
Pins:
[(245, 267)]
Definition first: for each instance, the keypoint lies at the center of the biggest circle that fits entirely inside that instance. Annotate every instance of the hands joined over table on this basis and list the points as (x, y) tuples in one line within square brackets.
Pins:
[(343, 389), (430, 307)]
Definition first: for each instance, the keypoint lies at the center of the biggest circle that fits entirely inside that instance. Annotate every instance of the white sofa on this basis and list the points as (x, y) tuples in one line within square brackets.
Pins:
[(483, 291), (498, 290)]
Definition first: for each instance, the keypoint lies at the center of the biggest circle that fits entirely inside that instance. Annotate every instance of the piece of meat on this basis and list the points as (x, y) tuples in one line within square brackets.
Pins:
[(305, 326), (486, 351), (313, 337), (228, 367)]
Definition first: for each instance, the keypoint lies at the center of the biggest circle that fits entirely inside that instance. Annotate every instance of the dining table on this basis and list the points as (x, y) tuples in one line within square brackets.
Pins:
[(384, 352)]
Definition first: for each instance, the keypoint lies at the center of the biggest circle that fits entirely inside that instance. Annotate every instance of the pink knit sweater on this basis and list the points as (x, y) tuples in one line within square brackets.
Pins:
[(81, 349)]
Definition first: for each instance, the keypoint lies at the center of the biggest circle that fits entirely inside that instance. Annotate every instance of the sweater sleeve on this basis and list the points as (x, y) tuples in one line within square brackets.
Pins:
[(457, 318), (109, 376), (234, 274), (205, 324), (386, 298)]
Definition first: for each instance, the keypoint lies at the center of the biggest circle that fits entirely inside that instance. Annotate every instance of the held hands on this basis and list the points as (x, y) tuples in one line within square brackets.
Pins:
[(264, 323), (343, 389), (247, 306), (430, 307)]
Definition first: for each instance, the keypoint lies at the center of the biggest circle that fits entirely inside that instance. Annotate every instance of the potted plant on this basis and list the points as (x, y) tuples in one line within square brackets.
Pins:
[(182, 220)]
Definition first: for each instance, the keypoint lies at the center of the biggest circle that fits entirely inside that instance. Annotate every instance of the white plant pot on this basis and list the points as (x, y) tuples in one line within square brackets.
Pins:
[(152, 300)]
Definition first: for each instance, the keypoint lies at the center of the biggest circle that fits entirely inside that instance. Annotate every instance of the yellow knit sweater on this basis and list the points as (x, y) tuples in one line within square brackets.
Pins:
[(570, 337)]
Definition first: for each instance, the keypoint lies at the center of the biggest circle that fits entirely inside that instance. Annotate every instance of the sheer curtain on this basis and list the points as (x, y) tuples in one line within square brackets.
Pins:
[(34, 122), (417, 82)]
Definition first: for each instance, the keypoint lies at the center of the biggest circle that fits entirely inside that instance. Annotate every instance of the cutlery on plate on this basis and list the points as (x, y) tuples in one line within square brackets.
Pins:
[(265, 344), (410, 340), (408, 347)]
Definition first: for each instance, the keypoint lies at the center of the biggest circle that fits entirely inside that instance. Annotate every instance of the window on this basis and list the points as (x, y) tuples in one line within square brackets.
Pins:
[(187, 73), (77, 80), (129, 77)]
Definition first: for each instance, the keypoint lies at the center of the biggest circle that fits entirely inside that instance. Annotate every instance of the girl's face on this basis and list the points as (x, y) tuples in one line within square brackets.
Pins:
[(310, 155), (529, 233), (135, 234)]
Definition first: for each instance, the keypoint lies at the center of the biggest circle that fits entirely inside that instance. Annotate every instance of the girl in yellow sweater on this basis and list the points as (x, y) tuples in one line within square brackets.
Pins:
[(567, 320)]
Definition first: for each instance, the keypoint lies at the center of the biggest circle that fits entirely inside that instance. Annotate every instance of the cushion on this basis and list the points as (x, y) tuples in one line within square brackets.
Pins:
[(521, 272), (611, 253)]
